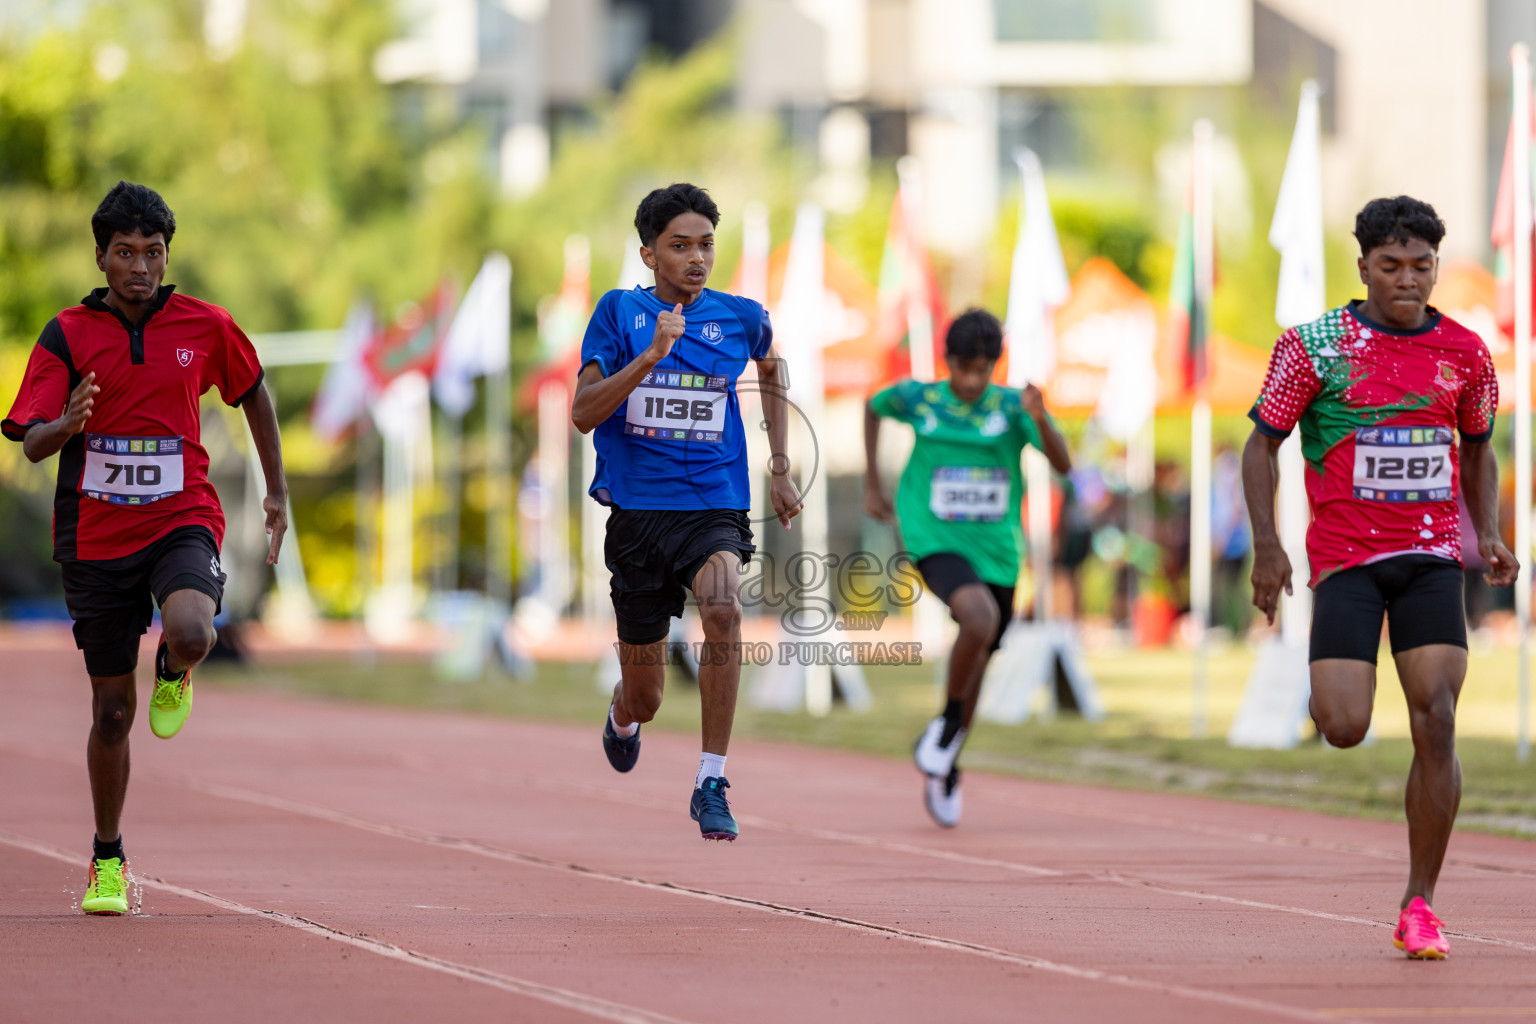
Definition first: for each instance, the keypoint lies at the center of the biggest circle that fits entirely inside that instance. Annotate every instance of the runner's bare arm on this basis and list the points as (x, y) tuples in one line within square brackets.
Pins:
[(1051, 441), (261, 414), (1480, 486), (782, 491), (877, 504), (1271, 565), (598, 396), (43, 439)]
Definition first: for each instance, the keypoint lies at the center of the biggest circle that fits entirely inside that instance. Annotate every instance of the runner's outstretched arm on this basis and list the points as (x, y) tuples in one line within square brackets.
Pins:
[(261, 414), (1271, 565), (1052, 443), (877, 504), (598, 396), (1480, 486), (781, 488), (43, 439)]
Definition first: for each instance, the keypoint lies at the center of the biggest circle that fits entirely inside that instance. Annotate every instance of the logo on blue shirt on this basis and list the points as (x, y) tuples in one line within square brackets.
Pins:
[(712, 333)]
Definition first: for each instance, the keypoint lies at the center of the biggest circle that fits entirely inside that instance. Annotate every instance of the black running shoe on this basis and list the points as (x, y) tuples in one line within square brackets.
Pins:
[(622, 753), (712, 810)]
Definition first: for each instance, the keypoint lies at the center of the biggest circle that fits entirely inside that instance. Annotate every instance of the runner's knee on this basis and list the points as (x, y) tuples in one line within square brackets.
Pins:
[(113, 712), (978, 621), (1434, 725), (642, 702), (720, 615), (189, 641), (1341, 728)]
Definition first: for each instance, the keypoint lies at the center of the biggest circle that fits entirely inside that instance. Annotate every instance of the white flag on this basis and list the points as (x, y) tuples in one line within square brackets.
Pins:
[(1297, 230), (478, 340), (633, 273), (1038, 284), (346, 388)]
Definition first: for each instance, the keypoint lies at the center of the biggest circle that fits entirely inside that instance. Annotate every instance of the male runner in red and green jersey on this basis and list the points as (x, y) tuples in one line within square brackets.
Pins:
[(1380, 390), (112, 386), (958, 508)]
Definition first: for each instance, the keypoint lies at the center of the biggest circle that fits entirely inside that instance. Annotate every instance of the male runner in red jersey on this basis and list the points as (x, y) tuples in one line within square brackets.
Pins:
[(113, 386), (1380, 389)]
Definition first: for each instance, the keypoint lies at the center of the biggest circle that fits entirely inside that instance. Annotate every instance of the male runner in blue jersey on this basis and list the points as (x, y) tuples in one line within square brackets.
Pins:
[(658, 387)]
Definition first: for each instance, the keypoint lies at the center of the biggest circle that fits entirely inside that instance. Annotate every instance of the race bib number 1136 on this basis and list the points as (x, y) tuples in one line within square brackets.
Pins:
[(678, 407)]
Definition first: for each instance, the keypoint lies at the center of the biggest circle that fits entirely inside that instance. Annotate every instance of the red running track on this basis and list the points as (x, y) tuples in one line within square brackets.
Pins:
[(310, 860)]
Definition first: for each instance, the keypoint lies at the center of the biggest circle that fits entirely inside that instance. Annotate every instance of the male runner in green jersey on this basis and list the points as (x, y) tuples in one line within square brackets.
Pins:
[(958, 509)]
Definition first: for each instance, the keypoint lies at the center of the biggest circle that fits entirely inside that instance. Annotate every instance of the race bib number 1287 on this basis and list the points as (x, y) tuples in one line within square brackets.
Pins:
[(131, 470), (1403, 464)]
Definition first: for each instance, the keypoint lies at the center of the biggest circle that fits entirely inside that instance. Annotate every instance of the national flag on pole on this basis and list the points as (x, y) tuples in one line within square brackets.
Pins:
[(1038, 284), (751, 280), (347, 388), (1186, 319), (478, 340), (911, 308), (1503, 233), (1297, 229), (562, 321), (414, 340)]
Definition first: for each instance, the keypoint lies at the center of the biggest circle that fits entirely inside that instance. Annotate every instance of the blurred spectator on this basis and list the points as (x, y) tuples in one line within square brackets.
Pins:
[(1170, 528), (1230, 542)]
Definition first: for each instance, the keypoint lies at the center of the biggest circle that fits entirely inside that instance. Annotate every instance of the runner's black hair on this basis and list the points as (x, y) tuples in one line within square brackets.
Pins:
[(657, 209), (974, 333), (1397, 220), (129, 208)]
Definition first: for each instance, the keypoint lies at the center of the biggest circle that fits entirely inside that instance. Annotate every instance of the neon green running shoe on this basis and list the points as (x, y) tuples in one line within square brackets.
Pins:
[(107, 890), (170, 706)]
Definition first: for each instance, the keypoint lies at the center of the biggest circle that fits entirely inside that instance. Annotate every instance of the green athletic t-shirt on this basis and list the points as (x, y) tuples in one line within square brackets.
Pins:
[(962, 489)]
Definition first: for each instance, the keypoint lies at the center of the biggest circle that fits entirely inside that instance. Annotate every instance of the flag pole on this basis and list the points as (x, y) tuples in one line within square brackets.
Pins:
[(1200, 426), (1520, 60)]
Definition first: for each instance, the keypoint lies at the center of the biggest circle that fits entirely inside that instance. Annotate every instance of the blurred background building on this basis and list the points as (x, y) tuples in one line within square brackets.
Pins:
[(960, 84)]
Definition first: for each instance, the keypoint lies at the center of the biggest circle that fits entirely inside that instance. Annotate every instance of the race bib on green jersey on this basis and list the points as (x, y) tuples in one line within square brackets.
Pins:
[(131, 470), (678, 407), (969, 494), (1398, 464)]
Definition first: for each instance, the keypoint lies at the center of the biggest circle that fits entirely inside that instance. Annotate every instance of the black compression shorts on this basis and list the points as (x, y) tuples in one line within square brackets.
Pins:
[(654, 554), (945, 572), (1421, 596), (112, 600)]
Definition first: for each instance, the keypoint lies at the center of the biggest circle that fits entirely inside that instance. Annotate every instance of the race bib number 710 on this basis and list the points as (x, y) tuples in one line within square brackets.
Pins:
[(131, 470), (1403, 464)]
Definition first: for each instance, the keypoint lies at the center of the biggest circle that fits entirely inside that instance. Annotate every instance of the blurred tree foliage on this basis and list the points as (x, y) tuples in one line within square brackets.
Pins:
[(301, 182)]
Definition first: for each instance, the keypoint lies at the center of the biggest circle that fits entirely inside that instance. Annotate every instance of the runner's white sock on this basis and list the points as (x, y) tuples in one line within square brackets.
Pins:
[(625, 731), (711, 766)]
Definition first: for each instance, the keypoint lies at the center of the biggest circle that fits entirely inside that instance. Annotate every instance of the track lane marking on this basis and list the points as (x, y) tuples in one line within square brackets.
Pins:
[(921, 938), (593, 792), (592, 1006)]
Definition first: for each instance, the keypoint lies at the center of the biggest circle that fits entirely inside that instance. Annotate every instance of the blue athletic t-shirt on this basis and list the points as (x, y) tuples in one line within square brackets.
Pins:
[(677, 441)]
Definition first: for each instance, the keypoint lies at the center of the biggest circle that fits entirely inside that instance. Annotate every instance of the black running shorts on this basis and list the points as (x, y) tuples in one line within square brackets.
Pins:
[(1421, 596), (945, 572), (112, 600), (654, 554)]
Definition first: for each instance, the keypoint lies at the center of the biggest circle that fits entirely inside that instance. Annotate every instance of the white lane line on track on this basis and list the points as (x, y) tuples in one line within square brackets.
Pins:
[(559, 785), (589, 1005), (1261, 838), (1112, 877), (867, 927)]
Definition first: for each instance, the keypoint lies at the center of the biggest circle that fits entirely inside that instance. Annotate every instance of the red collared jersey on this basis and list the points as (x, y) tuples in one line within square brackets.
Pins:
[(138, 469), (1379, 410)]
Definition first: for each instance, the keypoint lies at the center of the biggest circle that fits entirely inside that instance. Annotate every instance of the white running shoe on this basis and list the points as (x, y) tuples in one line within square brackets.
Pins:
[(933, 759), (943, 798)]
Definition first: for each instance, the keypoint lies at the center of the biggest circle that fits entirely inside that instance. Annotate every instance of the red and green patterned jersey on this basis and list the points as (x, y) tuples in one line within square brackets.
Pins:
[(1378, 411)]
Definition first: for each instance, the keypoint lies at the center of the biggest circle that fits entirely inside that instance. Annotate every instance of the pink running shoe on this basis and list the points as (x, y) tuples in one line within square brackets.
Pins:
[(1418, 932)]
